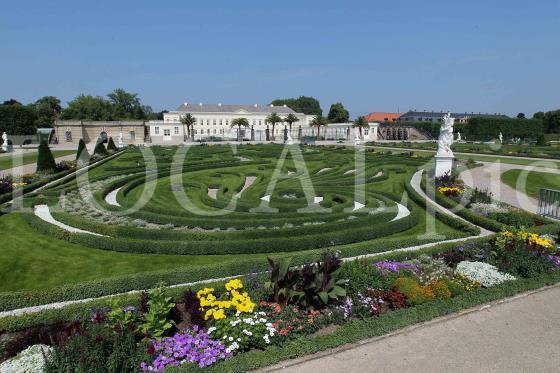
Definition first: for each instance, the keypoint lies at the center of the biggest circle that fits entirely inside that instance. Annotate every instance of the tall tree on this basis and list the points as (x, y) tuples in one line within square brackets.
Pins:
[(187, 120), (360, 123), (47, 109), (239, 122), (127, 105), (87, 107), (11, 102), (16, 119), (551, 121), (273, 119), (303, 104), (291, 119), (521, 116), (538, 115), (319, 121), (338, 114)]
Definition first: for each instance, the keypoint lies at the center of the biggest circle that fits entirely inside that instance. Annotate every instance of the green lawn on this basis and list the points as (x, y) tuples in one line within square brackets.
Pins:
[(29, 158), (534, 182)]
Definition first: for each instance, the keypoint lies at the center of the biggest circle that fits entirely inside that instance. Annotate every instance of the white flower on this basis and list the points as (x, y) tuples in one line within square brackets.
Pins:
[(211, 329), (30, 360), (485, 273), (238, 339), (230, 339)]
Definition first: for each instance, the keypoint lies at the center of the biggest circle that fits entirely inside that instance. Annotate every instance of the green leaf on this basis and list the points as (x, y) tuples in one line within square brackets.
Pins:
[(324, 297)]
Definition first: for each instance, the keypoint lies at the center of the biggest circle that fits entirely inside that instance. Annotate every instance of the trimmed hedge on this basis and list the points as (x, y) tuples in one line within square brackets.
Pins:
[(484, 128), (122, 284)]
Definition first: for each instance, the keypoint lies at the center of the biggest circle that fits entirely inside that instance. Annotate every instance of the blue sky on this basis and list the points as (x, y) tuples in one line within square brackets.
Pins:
[(482, 56)]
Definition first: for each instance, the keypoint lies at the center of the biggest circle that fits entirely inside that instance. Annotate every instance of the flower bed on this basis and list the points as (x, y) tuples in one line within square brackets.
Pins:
[(265, 312)]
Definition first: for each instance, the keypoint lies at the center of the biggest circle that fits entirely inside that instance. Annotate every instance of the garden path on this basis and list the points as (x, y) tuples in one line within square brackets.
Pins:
[(518, 334), (111, 197), (488, 177), (43, 213), (32, 167)]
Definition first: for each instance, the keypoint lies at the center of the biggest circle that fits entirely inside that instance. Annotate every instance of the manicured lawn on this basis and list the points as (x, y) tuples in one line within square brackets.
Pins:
[(534, 182), (29, 158)]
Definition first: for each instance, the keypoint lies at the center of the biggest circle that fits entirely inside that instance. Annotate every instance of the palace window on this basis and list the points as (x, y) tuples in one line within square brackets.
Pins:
[(68, 136), (220, 122), (156, 130), (195, 132), (176, 130), (132, 136), (214, 131), (214, 122), (167, 132)]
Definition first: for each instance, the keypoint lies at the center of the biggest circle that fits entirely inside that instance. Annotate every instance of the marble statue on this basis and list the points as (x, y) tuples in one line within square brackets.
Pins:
[(445, 139), (356, 137), (5, 141), (501, 137), (289, 141), (121, 142), (458, 136)]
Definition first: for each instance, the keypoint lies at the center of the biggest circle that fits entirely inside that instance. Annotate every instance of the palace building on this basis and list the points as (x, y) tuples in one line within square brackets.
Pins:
[(215, 121)]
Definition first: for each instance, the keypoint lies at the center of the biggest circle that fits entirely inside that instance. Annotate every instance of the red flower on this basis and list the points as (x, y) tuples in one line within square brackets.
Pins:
[(98, 338)]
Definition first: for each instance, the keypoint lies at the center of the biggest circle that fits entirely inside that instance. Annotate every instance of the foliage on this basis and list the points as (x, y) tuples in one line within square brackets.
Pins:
[(551, 121), (375, 302), (156, 321), (338, 114), (485, 128), (243, 332), (192, 307), (291, 321), (291, 119), (30, 360), (100, 149), (82, 153), (360, 123), (111, 147), (17, 119), (95, 348), (394, 266), (480, 196), (45, 159), (231, 300), (302, 104), (484, 273), (415, 293), (319, 283), (364, 275), (194, 346), (516, 219), (47, 109), (282, 280), (127, 105), (319, 121)]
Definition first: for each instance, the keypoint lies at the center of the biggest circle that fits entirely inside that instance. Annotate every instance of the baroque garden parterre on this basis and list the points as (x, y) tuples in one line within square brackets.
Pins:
[(268, 212)]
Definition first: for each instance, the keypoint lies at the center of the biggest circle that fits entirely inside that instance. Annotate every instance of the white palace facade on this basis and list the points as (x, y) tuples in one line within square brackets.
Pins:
[(215, 121)]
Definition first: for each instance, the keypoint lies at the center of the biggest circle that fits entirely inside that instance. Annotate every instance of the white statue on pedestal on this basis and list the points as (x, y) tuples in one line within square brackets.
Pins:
[(458, 136), (501, 137), (445, 139), (356, 137), (5, 141), (289, 140), (444, 156), (121, 140)]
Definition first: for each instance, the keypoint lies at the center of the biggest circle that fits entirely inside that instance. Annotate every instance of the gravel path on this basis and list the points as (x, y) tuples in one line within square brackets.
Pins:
[(488, 177), (43, 213), (111, 197), (249, 180)]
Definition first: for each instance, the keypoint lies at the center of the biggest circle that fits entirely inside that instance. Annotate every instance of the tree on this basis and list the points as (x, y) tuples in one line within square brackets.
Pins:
[(319, 121), (360, 123), (239, 122), (551, 121), (16, 119), (127, 105), (273, 119), (291, 119), (100, 149), (188, 120), (47, 109), (338, 114), (302, 104), (521, 116), (111, 147), (82, 152), (88, 108), (11, 102), (538, 115), (45, 158), (541, 141)]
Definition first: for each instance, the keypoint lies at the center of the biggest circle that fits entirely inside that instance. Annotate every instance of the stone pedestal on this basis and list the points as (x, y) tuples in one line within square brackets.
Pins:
[(444, 164)]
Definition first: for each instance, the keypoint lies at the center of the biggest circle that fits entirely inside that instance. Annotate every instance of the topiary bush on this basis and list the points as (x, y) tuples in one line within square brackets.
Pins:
[(45, 159), (100, 150), (111, 147)]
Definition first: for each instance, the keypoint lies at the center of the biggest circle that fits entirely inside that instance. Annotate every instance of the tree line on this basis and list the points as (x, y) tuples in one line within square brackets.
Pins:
[(19, 119)]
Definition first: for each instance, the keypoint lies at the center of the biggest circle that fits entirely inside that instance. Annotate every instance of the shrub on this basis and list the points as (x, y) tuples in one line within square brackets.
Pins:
[(100, 150), (111, 147), (45, 159), (82, 154), (440, 289), (484, 273), (415, 293), (156, 321)]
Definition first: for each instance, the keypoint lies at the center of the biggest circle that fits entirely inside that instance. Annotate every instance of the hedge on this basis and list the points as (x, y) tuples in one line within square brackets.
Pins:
[(123, 284), (484, 128)]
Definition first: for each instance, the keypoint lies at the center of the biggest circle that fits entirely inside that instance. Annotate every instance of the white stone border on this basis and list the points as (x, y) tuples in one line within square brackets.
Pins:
[(43, 213), (111, 198)]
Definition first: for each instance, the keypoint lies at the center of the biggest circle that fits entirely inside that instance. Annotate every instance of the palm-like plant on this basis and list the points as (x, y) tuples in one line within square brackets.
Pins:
[(319, 121), (273, 119), (360, 123), (189, 121), (291, 119), (239, 122)]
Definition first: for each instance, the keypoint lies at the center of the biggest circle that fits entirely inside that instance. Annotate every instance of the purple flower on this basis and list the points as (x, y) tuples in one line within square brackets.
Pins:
[(395, 266), (186, 347), (129, 309)]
